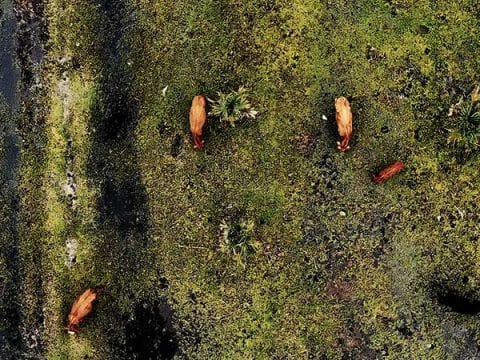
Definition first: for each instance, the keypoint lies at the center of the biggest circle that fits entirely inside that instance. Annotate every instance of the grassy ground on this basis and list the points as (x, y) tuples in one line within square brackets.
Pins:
[(344, 269)]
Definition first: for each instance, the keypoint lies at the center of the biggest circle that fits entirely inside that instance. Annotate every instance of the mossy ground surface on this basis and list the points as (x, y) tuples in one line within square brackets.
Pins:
[(344, 269)]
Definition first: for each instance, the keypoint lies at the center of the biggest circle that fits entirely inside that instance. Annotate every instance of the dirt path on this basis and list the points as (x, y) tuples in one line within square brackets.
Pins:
[(9, 164), (30, 39)]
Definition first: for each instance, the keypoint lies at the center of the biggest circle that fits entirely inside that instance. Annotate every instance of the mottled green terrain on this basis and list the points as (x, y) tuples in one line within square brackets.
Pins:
[(108, 192)]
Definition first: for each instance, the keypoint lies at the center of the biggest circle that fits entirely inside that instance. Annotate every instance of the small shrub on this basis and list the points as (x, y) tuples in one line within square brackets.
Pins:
[(233, 107), (237, 240), (466, 134)]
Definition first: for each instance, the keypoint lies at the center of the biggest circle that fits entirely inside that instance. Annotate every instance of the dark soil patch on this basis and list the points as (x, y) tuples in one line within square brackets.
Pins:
[(176, 147), (122, 205), (21, 52), (355, 343), (456, 298), (306, 143), (8, 70), (150, 335), (340, 290), (328, 171), (459, 303), (123, 212)]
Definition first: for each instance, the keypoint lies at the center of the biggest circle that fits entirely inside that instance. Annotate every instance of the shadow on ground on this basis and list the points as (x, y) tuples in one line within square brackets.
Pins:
[(123, 215)]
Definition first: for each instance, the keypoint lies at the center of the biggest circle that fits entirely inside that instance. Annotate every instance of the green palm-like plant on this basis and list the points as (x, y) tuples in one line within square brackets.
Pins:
[(467, 131), (233, 107), (470, 122)]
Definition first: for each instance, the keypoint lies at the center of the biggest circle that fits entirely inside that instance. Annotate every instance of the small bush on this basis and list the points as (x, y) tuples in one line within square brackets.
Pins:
[(237, 240), (466, 134), (233, 107)]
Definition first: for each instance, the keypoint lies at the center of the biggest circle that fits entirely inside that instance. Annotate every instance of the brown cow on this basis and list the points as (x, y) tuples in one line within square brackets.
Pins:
[(344, 123), (198, 118), (81, 308), (388, 172)]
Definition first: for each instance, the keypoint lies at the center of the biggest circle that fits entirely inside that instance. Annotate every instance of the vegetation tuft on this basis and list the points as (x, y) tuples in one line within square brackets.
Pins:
[(233, 107), (237, 240), (466, 134)]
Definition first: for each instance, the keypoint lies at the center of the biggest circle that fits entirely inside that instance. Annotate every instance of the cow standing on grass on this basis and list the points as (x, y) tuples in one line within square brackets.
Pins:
[(388, 172), (80, 309), (344, 123), (198, 118)]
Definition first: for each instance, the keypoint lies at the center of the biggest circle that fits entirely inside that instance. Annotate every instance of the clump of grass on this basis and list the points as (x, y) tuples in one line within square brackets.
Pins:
[(466, 134), (233, 107), (237, 240)]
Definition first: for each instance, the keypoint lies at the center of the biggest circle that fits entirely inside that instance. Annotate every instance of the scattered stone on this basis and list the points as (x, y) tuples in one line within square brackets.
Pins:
[(454, 109), (373, 54), (164, 91), (64, 60), (70, 189), (72, 246)]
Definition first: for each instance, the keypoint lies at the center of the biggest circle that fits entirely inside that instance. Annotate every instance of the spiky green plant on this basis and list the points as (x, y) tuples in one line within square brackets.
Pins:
[(237, 240), (233, 107), (467, 130)]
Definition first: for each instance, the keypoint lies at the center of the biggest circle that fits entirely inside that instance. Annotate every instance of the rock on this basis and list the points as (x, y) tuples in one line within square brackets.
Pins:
[(71, 246)]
